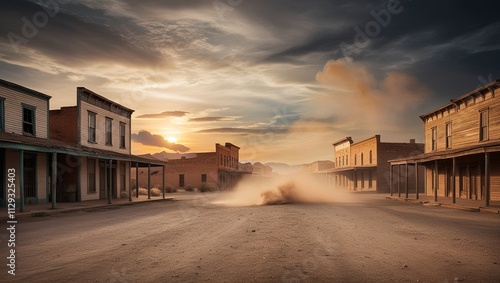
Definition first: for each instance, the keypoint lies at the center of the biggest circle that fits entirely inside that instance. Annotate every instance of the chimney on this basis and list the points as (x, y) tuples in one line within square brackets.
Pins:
[(412, 140)]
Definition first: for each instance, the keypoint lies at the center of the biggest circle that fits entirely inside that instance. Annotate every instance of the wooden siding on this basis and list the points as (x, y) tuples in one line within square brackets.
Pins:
[(14, 112), (464, 123), (101, 115), (12, 161)]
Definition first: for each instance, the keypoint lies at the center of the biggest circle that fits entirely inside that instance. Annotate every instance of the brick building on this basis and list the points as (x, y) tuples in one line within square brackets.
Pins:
[(219, 168), (462, 147), (364, 165)]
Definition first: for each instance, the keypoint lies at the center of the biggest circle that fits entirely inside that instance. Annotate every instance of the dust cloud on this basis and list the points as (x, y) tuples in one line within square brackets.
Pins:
[(299, 188)]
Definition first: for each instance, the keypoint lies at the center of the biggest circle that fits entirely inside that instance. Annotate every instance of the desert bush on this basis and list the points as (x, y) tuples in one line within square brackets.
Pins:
[(189, 188), (156, 192), (123, 195), (142, 192)]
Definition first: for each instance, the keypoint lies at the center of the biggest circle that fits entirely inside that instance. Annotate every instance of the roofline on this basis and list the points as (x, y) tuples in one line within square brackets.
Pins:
[(349, 139), (452, 103), (375, 136), (26, 90), (104, 98)]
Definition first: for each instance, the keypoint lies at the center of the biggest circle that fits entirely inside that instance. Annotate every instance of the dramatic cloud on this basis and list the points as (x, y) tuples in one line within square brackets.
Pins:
[(211, 119), (166, 114), (147, 138)]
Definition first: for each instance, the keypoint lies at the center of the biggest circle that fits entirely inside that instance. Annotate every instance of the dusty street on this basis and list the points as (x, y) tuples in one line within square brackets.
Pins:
[(190, 239)]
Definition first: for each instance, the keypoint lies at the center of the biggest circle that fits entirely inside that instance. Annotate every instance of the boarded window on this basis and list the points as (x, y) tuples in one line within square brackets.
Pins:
[(483, 125), (122, 135), (203, 178)]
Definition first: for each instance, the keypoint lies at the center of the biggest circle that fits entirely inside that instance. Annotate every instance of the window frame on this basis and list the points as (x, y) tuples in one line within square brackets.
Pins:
[(123, 131), (33, 123), (449, 131), (484, 129), (108, 133), (434, 138), (92, 129), (203, 178)]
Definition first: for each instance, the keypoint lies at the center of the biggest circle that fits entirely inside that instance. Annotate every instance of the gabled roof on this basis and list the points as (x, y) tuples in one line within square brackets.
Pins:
[(23, 89)]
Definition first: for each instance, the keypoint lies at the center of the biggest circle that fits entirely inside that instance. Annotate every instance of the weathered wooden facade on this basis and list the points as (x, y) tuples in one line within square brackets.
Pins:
[(364, 165), (50, 161), (462, 147)]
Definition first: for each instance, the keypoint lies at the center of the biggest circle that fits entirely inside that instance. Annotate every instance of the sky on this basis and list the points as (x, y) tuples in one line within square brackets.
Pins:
[(283, 80)]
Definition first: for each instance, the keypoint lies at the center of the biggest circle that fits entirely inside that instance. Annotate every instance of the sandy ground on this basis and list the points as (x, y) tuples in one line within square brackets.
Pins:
[(368, 239)]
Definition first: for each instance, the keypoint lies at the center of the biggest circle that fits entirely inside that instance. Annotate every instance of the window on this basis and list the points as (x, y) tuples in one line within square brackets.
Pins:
[(122, 135), (343, 160), (2, 114), (434, 138), (361, 158), (92, 136), (109, 131), (483, 125), (448, 135), (28, 119), (371, 157), (346, 160), (203, 178), (370, 179), (91, 175), (355, 159)]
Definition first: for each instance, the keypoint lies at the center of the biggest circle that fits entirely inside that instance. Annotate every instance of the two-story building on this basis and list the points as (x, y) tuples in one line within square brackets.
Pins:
[(73, 154), (462, 147), (101, 128), (364, 165), (24, 144)]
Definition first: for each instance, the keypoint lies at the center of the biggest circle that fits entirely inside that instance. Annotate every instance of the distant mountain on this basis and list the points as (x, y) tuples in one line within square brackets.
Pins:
[(170, 155), (283, 168)]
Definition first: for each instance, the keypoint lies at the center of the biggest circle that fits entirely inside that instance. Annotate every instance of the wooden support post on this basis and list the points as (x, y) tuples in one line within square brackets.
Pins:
[(110, 181), (453, 181), (406, 182), (416, 180), (21, 180), (149, 180), (391, 180), (163, 181), (130, 181), (436, 180), (137, 180), (399, 180), (53, 178), (487, 178)]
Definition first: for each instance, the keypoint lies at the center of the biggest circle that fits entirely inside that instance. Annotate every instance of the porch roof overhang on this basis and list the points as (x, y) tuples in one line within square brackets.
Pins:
[(483, 147), (352, 168), (21, 142)]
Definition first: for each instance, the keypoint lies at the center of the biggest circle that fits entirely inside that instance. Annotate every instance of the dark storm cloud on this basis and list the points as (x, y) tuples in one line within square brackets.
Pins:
[(166, 114), (147, 138), (69, 39)]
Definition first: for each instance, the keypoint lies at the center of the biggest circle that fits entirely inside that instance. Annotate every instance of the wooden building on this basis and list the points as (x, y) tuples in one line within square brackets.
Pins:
[(462, 147), (364, 165), (53, 153)]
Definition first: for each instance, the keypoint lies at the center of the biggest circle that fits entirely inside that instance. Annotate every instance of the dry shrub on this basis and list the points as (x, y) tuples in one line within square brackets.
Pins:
[(170, 190), (156, 192), (123, 195)]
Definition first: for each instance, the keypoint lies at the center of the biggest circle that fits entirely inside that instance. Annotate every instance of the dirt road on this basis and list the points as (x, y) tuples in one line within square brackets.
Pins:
[(189, 240)]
